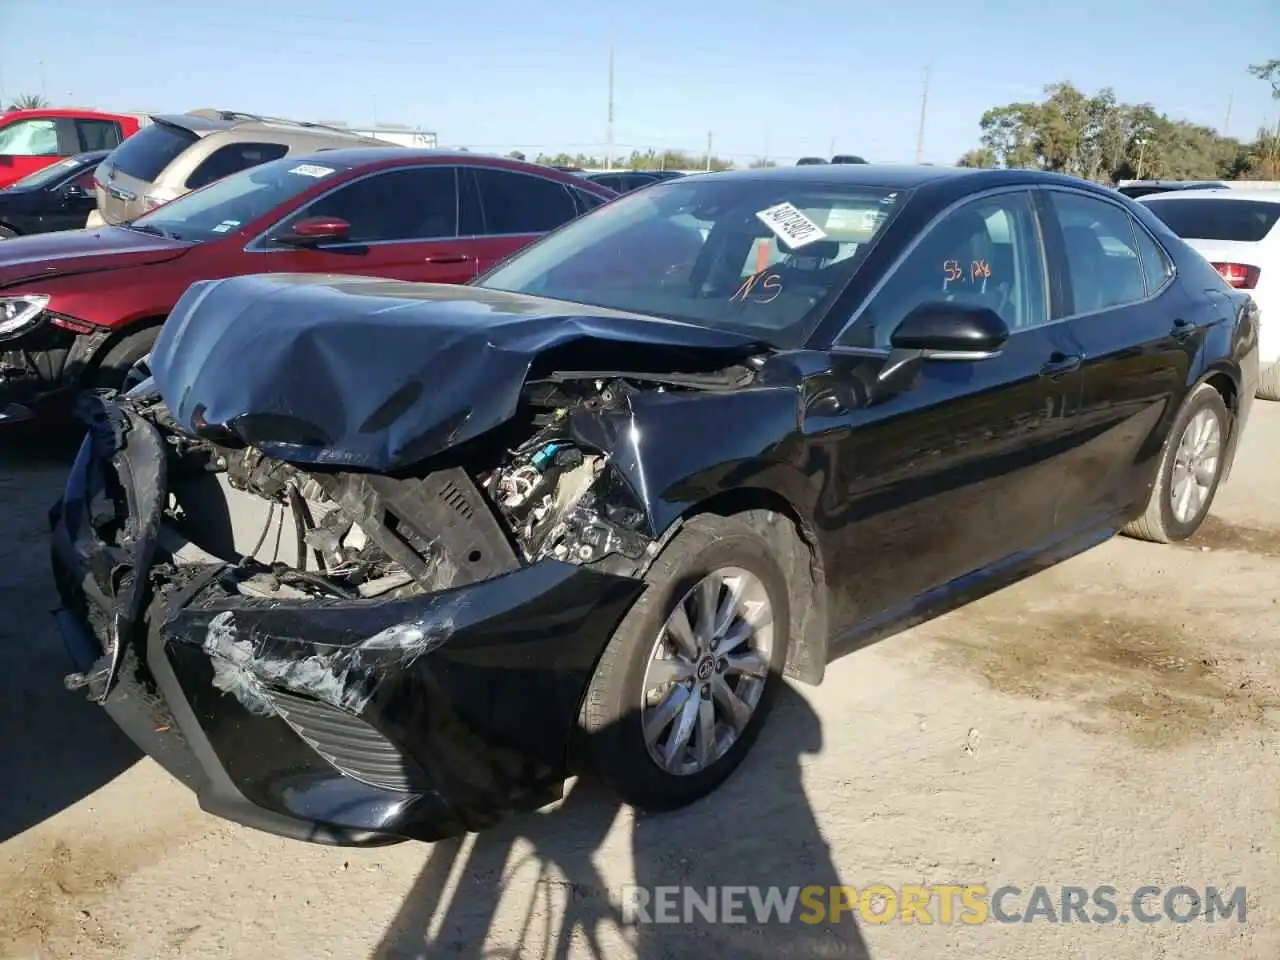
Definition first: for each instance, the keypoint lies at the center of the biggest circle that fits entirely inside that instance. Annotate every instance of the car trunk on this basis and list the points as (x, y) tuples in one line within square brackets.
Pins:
[(124, 178)]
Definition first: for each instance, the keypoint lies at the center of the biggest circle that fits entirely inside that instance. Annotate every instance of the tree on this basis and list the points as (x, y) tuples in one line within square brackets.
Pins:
[(515, 155), (983, 157), (1099, 138), (762, 164), (27, 101)]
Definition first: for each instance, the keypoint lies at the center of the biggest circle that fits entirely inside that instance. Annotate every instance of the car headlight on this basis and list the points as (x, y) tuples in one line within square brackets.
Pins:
[(18, 313)]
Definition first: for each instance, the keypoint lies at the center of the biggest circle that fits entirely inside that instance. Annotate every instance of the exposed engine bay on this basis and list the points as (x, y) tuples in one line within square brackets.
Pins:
[(523, 493)]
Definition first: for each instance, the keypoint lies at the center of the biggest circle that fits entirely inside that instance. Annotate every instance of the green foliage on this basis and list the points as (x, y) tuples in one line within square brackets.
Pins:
[(637, 160), (1099, 138), (27, 101)]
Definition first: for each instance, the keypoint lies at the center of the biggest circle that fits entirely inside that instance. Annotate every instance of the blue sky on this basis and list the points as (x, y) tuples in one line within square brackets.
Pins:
[(764, 76)]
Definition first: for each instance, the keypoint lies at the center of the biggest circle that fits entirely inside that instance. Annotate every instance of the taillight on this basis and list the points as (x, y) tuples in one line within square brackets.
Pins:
[(1242, 276)]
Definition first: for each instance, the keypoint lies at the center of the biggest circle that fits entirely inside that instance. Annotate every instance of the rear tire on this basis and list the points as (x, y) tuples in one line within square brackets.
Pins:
[(620, 696), (1200, 428), (1269, 381), (113, 369)]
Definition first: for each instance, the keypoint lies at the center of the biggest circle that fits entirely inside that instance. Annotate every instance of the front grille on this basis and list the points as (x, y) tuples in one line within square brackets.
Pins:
[(354, 748)]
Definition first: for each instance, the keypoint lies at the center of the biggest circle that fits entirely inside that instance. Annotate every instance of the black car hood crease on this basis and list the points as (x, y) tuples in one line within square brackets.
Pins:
[(377, 374)]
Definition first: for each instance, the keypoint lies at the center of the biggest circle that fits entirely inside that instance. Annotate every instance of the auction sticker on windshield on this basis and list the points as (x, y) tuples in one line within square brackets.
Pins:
[(790, 225), (312, 170)]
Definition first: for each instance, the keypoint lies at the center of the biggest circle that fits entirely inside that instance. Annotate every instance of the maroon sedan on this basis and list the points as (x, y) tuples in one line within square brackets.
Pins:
[(77, 309)]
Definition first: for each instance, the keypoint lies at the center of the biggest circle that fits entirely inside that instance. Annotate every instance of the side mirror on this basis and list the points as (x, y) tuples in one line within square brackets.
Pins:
[(314, 231), (951, 331)]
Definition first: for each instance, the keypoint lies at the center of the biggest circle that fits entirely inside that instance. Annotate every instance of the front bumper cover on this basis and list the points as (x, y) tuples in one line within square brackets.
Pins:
[(354, 722), (41, 368)]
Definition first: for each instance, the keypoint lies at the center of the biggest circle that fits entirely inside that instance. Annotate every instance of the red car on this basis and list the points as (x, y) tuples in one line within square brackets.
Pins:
[(31, 140), (78, 309)]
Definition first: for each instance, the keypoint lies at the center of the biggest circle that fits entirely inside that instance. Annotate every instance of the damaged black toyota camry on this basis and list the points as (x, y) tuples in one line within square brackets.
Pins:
[(363, 560)]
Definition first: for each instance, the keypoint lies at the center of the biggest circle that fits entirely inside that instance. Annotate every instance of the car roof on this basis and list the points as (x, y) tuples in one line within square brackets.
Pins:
[(80, 112), (1265, 194), (204, 123), (366, 156), (894, 176)]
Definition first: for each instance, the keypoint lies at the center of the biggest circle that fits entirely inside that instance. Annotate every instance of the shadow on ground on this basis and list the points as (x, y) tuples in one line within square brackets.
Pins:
[(57, 747), (532, 886)]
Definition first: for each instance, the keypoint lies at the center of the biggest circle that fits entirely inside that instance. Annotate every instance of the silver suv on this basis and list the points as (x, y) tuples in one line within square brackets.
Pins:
[(179, 153)]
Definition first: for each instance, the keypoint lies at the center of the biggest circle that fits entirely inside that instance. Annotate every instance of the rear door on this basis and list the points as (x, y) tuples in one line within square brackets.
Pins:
[(404, 225), (1137, 333), (504, 210)]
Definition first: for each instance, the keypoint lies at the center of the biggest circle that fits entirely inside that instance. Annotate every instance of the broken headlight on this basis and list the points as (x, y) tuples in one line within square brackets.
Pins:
[(20, 312)]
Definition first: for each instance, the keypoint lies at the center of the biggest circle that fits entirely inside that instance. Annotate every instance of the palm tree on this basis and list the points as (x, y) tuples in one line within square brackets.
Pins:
[(28, 101)]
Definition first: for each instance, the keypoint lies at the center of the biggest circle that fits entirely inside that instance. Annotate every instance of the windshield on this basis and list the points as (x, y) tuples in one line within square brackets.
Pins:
[(227, 205), (757, 255), (1212, 218), (47, 175)]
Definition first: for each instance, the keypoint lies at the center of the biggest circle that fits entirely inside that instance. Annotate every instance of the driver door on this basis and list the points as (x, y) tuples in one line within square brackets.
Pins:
[(958, 473)]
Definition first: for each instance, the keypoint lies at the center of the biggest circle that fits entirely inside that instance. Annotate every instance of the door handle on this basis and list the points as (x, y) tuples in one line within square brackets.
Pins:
[(1059, 363), (447, 258), (1182, 328)]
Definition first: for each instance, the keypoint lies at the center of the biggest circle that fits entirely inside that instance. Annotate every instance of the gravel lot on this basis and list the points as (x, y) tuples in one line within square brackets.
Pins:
[(1110, 721)]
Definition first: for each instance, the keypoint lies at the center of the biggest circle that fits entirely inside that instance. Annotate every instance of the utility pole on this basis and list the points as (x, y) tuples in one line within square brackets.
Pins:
[(44, 93), (1226, 124), (609, 159), (708, 151), (924, 106)]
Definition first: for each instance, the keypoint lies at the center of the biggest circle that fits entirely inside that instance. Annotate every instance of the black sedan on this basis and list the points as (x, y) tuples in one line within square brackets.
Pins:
[(365, 560), (58, 197)]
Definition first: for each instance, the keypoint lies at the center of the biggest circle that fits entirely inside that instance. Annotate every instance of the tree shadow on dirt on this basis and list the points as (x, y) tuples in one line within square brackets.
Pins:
[(57, 747), (532, 887)]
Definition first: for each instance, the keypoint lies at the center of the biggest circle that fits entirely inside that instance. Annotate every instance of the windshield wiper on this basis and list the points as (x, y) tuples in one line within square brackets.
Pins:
[(149, 228)]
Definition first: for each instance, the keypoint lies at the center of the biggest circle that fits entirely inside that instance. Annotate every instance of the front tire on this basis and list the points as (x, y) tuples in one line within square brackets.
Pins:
[(1191, 467), (113, 369), (684, 686)]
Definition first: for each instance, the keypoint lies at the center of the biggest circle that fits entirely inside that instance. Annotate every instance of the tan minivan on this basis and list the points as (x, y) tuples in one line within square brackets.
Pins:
[(179, 153)]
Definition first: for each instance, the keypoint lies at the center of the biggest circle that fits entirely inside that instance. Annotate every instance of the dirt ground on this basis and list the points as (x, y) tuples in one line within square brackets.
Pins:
[(1111, 721)]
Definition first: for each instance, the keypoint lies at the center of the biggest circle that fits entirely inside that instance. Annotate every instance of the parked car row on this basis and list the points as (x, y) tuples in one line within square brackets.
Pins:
[(80, 308), (362, 560)]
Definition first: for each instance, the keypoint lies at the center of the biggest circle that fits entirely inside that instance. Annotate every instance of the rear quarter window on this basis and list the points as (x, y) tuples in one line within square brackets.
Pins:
[(144, 155), (1213, 218)]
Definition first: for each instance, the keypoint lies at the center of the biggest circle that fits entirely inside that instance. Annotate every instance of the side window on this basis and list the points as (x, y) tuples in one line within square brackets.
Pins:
[(522, 203), (587, 201), (30, 138), (610, 183), (1156, 264), (1104, 269), (986, 253), (98, 134), (231, 159), (418, 203)]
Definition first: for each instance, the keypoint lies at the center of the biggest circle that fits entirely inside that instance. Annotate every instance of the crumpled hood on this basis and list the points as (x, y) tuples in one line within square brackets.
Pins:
[(382, 373), (45, 255)]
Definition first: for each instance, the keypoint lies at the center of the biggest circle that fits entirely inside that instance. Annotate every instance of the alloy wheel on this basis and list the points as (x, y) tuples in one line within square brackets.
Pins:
[(707, 671), (1195, 466)]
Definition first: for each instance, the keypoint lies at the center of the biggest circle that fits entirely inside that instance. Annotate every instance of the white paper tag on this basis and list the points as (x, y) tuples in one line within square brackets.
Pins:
[(312, 170), (790, 225)]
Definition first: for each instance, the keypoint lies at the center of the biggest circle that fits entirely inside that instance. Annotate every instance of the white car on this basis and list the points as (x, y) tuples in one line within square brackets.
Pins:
[(1236, 231)]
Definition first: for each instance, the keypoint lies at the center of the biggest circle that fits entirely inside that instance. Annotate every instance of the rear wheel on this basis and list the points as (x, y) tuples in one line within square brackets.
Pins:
[(683, 687), (1269, 381), (1190, 468)]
